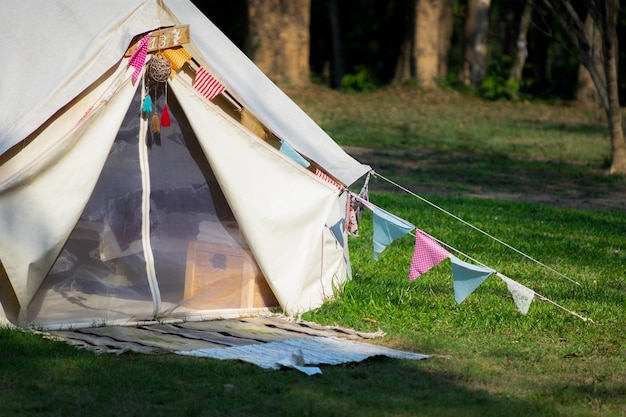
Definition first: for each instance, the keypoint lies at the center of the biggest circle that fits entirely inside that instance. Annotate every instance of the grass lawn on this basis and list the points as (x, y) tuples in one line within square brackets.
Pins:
[(530, 174)]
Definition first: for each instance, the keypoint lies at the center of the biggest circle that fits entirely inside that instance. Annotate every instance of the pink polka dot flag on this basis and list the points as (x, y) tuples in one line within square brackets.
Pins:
[(428, 254), (138, 58)]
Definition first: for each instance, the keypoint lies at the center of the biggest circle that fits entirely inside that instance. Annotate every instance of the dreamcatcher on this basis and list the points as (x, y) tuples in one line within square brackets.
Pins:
[(158, 70)]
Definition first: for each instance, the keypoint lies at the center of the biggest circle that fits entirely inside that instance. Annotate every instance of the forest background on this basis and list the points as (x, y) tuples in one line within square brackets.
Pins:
[(357, 45), (557, 50)]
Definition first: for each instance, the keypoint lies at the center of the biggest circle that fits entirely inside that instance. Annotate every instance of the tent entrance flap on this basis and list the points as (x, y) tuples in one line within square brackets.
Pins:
[(201, 260)]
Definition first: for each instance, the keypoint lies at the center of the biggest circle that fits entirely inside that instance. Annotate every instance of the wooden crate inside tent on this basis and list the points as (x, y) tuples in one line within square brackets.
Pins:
[(219, 276)]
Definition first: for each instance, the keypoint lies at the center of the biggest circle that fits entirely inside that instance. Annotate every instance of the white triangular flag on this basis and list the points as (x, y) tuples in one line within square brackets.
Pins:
[(522, 296)]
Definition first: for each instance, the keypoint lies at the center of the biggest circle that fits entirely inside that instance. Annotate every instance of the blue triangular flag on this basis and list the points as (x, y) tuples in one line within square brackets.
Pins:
[(338, 229), (467, 277), (287, 150), (387, 228)]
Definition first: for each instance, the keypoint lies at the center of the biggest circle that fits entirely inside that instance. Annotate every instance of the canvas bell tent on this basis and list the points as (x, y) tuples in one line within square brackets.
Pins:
[(126, 198)]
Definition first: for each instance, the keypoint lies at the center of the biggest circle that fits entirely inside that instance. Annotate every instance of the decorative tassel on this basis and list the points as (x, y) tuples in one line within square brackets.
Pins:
[(155, 125), (147, 104), (165, 117)]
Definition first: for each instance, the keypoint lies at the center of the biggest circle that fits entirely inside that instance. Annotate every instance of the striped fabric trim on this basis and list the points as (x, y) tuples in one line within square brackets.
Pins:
[(207, 85), (322, 175)]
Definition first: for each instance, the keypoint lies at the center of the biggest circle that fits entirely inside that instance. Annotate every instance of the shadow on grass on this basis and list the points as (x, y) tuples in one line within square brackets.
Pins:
[(42, 377), (561, 126), (494, 175)]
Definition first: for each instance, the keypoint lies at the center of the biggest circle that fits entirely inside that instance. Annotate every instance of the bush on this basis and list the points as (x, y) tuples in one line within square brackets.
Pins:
[(360, 81)]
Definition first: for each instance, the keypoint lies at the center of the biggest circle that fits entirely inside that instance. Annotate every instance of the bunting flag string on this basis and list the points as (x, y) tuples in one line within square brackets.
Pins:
[(337, 231), (429, 252), (362, 201), (364, 193), (356, 205), (522, 296), (287, 150), (467, 277), (406, 190), (207, 85), (387, 227), (352, 225), (322, 175), (427, 255), (138, 58), (177, 56), (517, 285)]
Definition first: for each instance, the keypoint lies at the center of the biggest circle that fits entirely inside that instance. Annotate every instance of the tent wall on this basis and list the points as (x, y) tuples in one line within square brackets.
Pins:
[(273, 214), (82, 40), (44, 188), (58, 49), (9, 306), (77, 154)]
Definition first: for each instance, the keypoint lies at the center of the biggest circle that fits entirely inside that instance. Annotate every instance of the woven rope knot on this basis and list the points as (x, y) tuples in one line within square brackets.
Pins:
[(159, 68)]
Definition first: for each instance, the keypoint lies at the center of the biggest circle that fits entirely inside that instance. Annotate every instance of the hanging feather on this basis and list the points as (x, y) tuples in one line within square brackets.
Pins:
[(155, 124), (165, 117), (147, 104)]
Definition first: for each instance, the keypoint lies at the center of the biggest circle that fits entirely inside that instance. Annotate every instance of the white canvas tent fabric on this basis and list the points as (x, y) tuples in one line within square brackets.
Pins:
[(77, 180), (98, 33)]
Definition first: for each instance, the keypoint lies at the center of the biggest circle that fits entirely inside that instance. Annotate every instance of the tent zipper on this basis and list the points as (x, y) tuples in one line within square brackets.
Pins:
[(145, 213)]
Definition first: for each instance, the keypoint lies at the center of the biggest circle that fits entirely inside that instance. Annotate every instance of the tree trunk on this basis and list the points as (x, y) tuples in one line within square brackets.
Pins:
[(479, 47), (446, 28), (403, 66), (278, 39), (522, 50), (338, 68), (614, 114), (474, 67), (403, 71), (586, 92), (603, 71), (426, 45), (470, 28)]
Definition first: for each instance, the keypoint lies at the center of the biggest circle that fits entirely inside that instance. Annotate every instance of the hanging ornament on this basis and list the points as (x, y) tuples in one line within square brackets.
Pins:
[(147, 104), (155, 124), (159, 68), (165, 117)]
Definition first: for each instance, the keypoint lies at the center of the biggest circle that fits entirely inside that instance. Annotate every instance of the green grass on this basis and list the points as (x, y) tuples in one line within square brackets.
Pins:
[(449, 121), (487, 358), (435, 142), (549, 359)]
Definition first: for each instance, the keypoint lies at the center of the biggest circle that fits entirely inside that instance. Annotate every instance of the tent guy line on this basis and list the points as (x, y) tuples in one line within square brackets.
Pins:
[(406, 190), (522, 295)]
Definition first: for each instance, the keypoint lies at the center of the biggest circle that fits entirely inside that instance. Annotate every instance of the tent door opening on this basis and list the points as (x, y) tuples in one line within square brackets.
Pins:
[(176, 250)]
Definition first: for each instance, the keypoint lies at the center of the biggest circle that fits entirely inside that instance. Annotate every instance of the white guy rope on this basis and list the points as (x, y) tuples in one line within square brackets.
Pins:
[(406, 190)]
